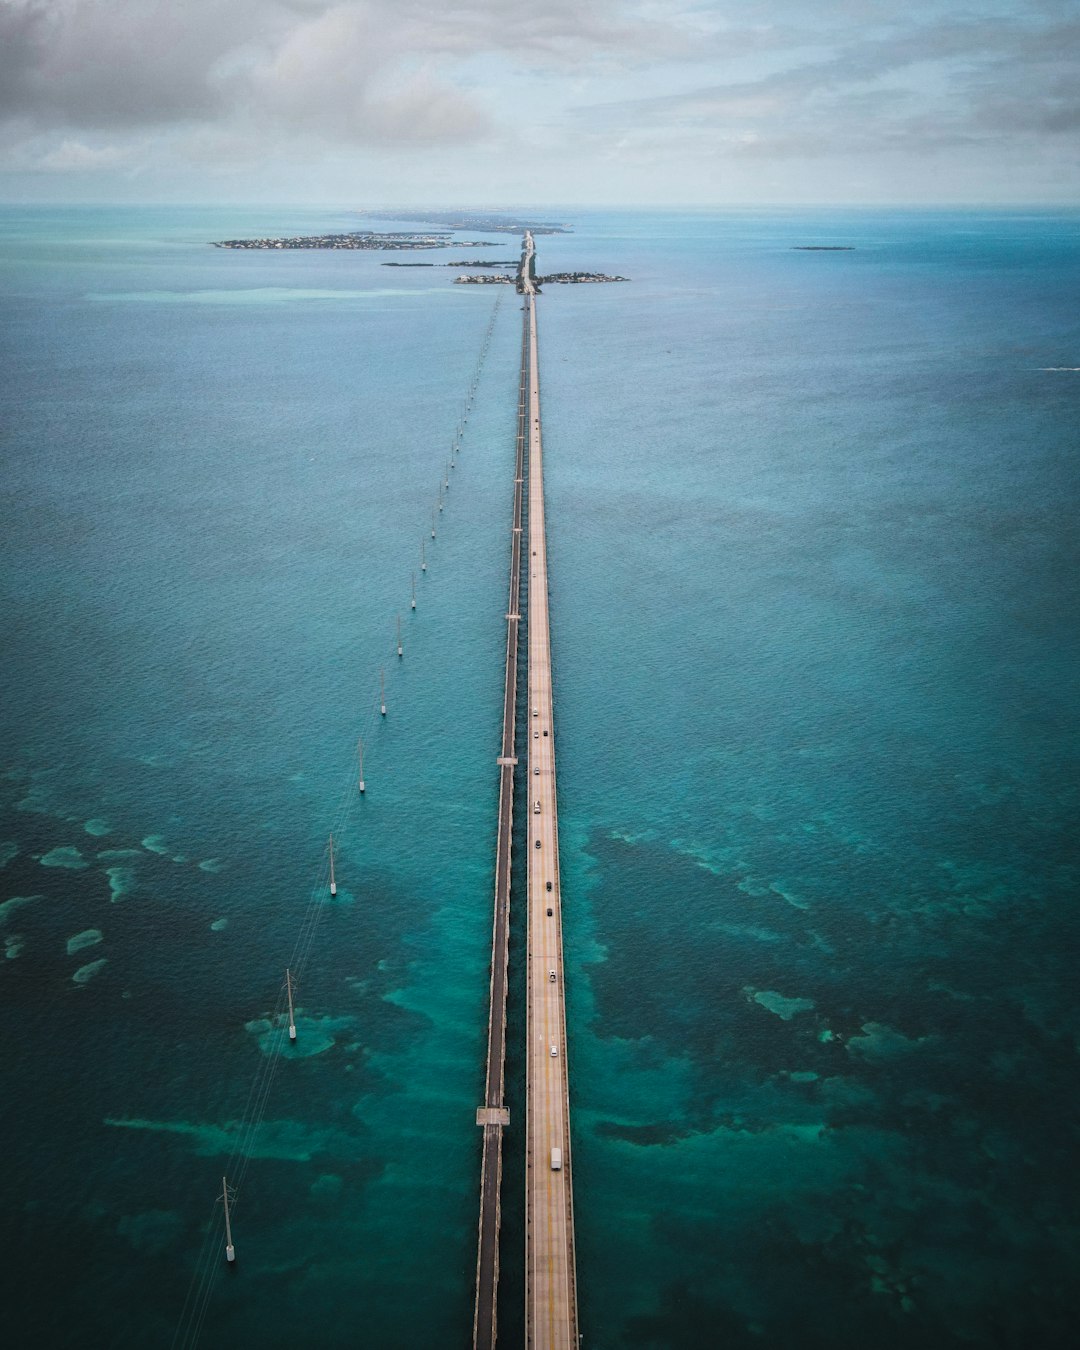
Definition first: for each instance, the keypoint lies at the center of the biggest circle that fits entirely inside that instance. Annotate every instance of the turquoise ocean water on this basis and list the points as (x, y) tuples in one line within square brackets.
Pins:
[(814, 581)]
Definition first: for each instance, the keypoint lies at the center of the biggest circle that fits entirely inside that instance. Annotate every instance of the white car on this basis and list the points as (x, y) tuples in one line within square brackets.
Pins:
[(554, 1051)]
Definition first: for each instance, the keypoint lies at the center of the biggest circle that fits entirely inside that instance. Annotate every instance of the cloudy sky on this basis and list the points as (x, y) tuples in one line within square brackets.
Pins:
[(554, 101)]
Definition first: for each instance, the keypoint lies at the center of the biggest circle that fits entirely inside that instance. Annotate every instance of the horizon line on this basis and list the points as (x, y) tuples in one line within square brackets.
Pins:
[(960, 204)]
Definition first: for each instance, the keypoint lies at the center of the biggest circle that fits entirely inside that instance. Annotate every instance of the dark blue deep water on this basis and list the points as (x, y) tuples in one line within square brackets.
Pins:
[(816, 632)]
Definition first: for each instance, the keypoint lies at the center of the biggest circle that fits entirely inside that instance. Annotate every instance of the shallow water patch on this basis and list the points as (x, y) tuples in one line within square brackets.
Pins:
[(89, 937), (86, 973), (882, 1042), (67, 856), (122, 881), (258, 295), (286, 1140), (784, 1008), (314, 1035), (8, 908)]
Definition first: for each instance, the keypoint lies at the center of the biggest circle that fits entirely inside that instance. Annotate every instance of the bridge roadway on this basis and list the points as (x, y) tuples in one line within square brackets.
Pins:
[(493, 1115), (550, 1276)]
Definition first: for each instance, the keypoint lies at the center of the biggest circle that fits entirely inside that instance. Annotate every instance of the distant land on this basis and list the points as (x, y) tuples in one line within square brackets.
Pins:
[(361, 239), (463, 262), (576, 278), (492, 271), (556, 278), (824, 248), (457, 220)]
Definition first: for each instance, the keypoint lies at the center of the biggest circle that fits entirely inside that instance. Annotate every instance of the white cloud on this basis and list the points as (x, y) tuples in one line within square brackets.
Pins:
[(72, 156), (346, 74), (419, 92)]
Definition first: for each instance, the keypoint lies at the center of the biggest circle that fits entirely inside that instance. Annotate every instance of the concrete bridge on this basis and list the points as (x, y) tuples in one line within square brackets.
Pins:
[(550, 1277)]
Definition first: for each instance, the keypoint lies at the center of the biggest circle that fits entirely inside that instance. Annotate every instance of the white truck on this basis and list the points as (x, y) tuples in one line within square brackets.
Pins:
[(556, 1159)]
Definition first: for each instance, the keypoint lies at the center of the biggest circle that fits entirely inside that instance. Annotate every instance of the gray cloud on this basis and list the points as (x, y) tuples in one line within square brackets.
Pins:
[(274, 87), (110, 63), (914, 86), (365, 70), (73, 156), (20, 48), (1033, 87), (344, 73)]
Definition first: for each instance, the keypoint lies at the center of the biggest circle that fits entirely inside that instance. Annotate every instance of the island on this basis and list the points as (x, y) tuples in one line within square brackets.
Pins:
[(360, 239), (461, 262), (824, 248), (577, 278), (555, 278)]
